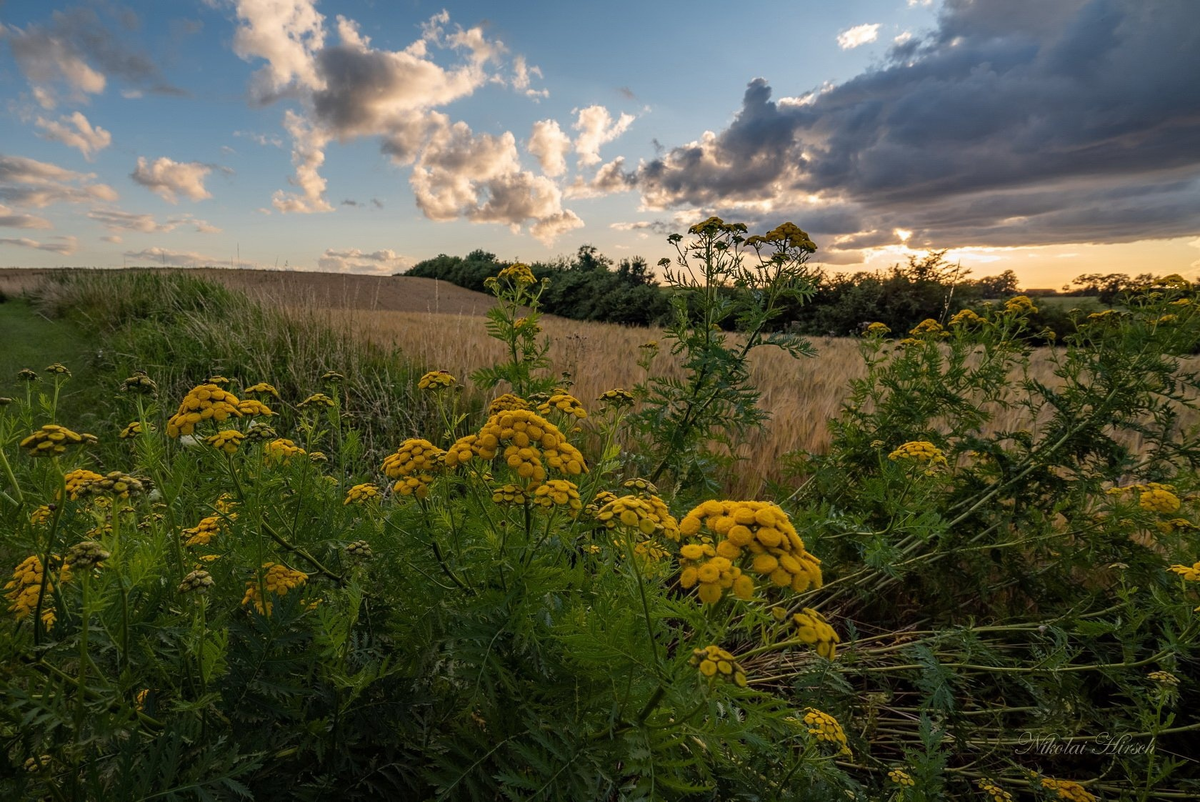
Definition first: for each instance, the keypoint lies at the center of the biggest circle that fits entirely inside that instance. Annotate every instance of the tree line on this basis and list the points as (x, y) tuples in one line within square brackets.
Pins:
[(591, 286)]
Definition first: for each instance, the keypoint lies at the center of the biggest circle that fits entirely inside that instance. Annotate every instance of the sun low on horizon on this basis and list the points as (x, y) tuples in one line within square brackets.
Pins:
[(1052, 138)]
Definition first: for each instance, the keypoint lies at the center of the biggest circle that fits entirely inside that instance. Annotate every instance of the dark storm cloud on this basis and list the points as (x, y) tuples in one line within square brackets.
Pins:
[(1014, 122)]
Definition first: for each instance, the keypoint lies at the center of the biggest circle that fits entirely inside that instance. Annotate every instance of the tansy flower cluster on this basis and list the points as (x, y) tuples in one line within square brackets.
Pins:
[(262, 388), (203, 402), (118, 484), (919, 451), (251, 407), (529, 443), (813, 629), (133, 430), (519, 274), (227, 440), (86, 554), (1159, 498), (140, 384), (714, 662), (564, 403), (277, 579), (508, 494), (755, 532), (52, 440), (649, 516), (966, 317), (1068, 789), (58, 369), (1164, 678), (41, 515), (901, 777), (75, 481), (435, 380), (359, 548), (877, 329), (558, 493), (361, 494), (413, 466), (1189, 572), (281, 450), (1020, 304), (616, 398), (316, 400), (23, 589), (825, 727), (202, 533), (198, 580), (507, 403), (994, 792), (927, 326)]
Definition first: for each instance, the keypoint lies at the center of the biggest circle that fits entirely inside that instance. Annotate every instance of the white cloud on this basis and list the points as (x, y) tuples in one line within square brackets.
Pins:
[(285, 33), (62, 245), (915, 3), (608, 179), (308, 155), (354, 260), (596, 127), (45, 59), (858, 35), (273, 140), (169, 258), (76, 132), (902, 38), (117, 220), (479, 177), (28, 182), (550, 146), (169, 179), (13, 219), (114, 238), (521, 79)]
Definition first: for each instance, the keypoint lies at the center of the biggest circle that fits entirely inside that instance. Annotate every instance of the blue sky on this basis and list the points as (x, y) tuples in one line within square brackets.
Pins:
[(1052, 138)]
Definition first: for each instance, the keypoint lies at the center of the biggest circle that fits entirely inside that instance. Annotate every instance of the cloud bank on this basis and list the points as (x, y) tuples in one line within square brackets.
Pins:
[(1020, 122)]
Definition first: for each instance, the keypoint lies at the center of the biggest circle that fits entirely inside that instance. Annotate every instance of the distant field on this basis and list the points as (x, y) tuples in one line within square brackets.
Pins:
[(332, 290), (440, 326)]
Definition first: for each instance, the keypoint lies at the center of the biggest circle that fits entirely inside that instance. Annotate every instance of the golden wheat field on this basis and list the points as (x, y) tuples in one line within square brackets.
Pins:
[(441, 326)]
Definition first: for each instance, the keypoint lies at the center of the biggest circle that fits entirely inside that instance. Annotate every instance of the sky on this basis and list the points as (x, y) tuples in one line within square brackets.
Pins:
[(1048, 137)]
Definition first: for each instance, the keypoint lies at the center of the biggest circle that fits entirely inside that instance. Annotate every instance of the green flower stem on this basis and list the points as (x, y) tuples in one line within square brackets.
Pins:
[(51, 671), (12, 480), (300, 552)]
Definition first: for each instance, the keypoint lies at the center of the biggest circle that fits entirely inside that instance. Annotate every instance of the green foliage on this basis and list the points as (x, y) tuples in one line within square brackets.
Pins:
[(714, 283), (1003, 599)]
